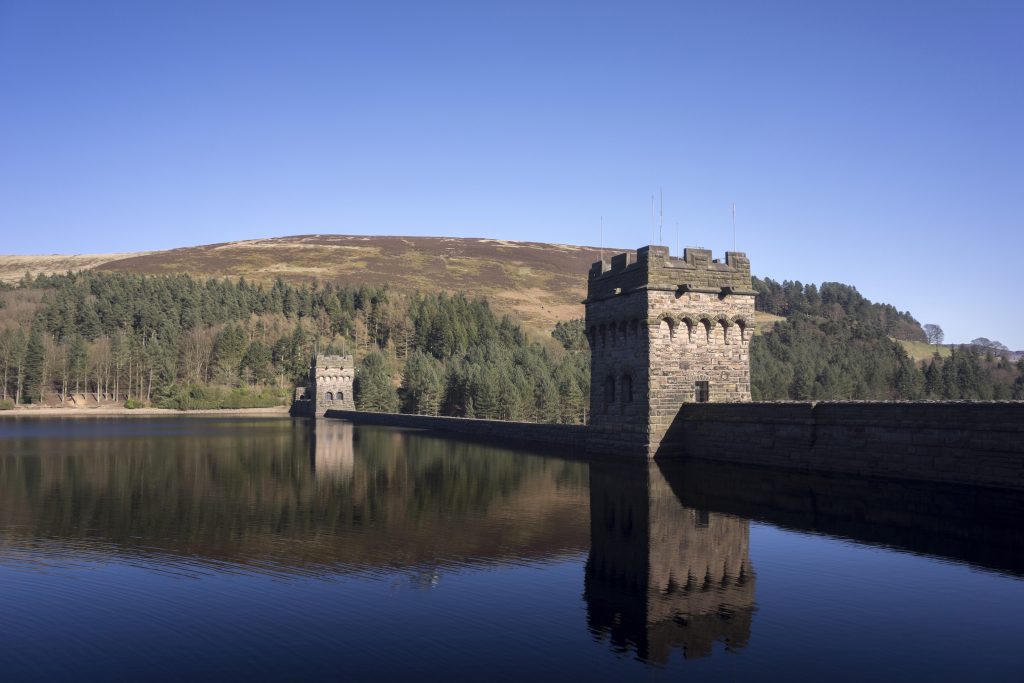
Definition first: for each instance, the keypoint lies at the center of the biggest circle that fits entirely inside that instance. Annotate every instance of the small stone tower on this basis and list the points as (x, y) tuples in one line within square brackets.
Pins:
[(663, 332), (329, 386)]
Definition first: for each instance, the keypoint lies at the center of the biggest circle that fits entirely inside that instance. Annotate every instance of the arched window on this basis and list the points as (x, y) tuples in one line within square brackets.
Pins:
[(329, 396), (340, 396), (609, 392)]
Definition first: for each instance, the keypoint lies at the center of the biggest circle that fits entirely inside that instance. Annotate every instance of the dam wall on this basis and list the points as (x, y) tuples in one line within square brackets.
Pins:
[(976, 443), (972, 443), (572, 438)]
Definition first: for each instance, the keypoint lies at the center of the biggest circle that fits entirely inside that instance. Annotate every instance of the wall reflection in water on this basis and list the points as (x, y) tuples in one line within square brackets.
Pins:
[(661, 575), (668, 565)]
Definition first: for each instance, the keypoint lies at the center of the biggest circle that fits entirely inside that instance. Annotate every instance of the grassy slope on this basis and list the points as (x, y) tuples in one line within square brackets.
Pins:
[(920, 351), (539, 283), (766, 321)]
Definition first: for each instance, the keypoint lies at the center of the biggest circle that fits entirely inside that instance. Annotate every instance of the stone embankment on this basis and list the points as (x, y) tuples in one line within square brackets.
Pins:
[(980, 443), (571, 437), (973, 443)]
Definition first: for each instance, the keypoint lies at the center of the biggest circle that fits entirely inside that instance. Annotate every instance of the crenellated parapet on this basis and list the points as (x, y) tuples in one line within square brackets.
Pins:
[(652, 267)]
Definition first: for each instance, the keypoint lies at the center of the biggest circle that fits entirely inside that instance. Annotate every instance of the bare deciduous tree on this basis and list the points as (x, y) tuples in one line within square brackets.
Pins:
[(933, 333)]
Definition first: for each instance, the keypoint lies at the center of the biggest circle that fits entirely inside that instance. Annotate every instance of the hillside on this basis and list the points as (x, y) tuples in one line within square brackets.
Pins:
[(538, 283), (233, 325)]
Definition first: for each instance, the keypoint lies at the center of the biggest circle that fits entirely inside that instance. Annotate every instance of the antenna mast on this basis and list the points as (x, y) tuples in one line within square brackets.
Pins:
[(661, 218), (654, 222), (734, 226)]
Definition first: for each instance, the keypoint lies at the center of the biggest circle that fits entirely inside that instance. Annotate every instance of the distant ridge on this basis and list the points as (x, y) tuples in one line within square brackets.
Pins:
[(540, 283)]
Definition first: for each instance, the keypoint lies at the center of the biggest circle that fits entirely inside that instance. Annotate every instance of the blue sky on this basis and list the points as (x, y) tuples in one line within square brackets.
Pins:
[(875, 143)]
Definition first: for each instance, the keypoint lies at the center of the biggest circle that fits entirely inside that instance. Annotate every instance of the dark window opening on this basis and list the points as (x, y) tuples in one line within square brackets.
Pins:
[(703, 519), (701, 392), (609, 392), (627, 389)]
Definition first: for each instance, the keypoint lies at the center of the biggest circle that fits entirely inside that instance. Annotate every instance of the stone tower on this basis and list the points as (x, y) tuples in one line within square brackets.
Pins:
[(329, 385), (663, 332)]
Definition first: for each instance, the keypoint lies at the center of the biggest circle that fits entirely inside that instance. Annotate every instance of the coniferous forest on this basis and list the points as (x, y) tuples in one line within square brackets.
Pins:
[(178, 342), (835, 345)]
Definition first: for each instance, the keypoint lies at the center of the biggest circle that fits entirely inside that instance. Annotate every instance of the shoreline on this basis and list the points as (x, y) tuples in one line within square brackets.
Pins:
[(121, 411)]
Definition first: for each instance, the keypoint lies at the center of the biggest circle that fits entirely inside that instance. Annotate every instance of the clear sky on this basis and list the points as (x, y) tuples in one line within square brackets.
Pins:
[(875, 143)]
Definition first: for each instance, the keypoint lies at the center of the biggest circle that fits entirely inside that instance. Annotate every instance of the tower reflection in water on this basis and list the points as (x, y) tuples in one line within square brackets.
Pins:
[(661, 575), (332, 455)]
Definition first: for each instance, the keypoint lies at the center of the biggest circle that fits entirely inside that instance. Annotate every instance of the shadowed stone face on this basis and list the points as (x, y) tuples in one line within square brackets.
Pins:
[(664, 332)]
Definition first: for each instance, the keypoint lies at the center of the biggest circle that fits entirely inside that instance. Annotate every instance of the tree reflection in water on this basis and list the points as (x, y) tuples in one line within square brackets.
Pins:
[(668, 564)]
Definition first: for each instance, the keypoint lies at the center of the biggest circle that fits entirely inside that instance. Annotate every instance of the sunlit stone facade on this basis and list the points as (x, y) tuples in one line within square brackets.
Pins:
[(663, 332)]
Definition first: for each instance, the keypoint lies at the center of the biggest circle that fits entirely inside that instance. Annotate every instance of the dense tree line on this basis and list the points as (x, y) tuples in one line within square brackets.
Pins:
[(807, 358), (834, 301), (181, 342), (464, 361), (835, 345)]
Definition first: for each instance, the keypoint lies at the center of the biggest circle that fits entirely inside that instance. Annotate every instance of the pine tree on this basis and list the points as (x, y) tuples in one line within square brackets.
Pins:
[(35, 366), (373, 388)]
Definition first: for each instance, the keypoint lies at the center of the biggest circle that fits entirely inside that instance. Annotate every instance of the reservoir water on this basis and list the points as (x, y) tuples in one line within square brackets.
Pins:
[(174, 549)]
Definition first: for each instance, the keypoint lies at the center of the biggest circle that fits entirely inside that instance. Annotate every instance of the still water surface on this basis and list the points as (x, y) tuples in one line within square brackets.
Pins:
[(210, 548)]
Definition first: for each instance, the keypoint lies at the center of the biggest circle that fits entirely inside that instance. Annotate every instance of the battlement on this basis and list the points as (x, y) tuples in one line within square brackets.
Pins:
[(652, 267), (333, 362)]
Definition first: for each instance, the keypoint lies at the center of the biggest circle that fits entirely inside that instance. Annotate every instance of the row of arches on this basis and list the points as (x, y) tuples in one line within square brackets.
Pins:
[(331, 396), (614, 333), (688, 325), (703, 327), (335, 377)]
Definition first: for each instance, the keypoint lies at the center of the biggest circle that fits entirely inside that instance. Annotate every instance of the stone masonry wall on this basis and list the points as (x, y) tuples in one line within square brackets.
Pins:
[(956, 442), (980, 444), (567, 438), (656, 327), (333, 377), (697, 336), (329, 385), (618, 334)]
